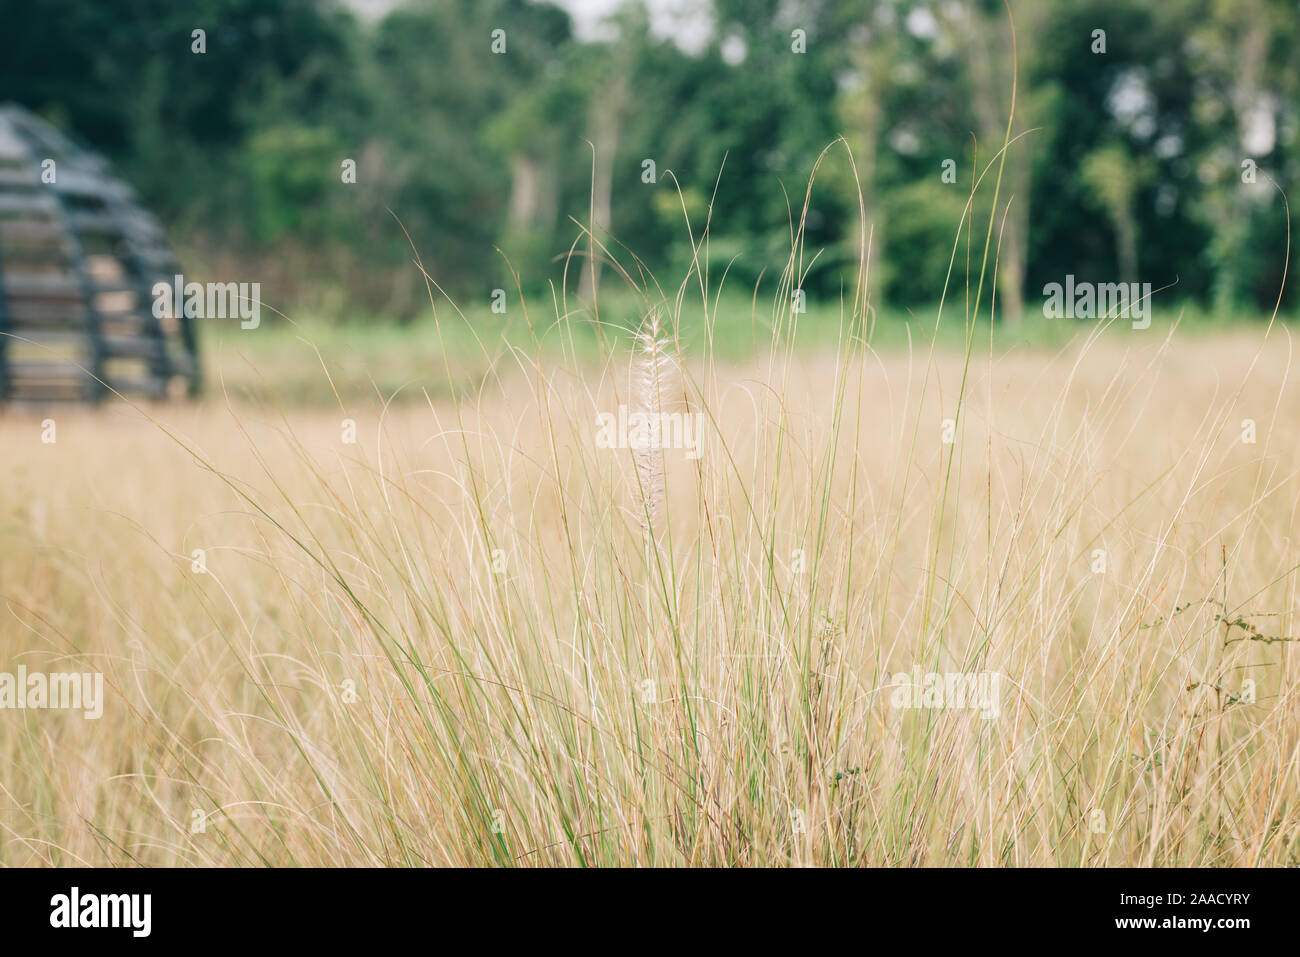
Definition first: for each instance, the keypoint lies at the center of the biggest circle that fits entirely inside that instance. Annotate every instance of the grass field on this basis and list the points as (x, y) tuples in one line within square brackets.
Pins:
[(315, 363), (450, 641)]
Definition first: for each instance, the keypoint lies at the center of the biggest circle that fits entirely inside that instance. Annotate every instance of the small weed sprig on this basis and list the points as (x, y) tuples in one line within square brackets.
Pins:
[(1227, 618)]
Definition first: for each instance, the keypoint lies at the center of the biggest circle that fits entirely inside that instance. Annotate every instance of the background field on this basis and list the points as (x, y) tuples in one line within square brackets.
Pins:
[(351, 682), (378, 596)]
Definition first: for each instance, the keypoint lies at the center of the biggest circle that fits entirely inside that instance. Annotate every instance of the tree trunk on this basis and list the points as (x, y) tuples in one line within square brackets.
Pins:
[(863, 114), (987, 82), (525, 192), (605, 127)]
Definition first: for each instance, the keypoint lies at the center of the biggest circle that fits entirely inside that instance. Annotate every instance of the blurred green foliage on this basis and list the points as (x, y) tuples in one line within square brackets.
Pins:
[(1128, 164)]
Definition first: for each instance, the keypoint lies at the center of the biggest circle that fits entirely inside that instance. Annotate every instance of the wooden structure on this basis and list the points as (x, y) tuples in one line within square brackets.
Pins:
[(79, 259)]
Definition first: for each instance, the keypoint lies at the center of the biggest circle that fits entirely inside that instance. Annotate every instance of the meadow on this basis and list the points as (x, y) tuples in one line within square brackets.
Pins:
[(339, 626)]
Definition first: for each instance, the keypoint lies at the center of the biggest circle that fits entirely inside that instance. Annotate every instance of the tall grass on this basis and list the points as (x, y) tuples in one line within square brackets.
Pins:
[(477, 637)]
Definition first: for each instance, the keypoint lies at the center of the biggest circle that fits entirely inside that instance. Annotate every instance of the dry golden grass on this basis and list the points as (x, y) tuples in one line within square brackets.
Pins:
[(355, 679)]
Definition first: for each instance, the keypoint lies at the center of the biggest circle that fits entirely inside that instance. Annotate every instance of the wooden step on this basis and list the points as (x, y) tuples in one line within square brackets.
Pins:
[(64, 286), (19, 258), (151, 386), (138, 347), (28, 201), (54, 286), (81, 182), (44, 393), (37, 313), (47, 371), (87, 222), (20, 176), (143, 347), (17, 338), (33, 230)]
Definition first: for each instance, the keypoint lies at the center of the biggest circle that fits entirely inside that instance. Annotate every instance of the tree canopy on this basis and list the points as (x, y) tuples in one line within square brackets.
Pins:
[(1146, 136)]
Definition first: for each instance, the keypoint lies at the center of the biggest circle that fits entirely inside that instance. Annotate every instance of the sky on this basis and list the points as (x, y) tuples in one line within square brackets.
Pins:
[(687, 22)]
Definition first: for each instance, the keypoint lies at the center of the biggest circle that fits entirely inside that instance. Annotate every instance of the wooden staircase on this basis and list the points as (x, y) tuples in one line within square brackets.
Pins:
[(79, 258)]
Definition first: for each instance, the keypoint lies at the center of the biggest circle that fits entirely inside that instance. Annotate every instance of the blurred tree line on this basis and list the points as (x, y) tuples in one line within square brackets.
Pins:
[(1142, 125)]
